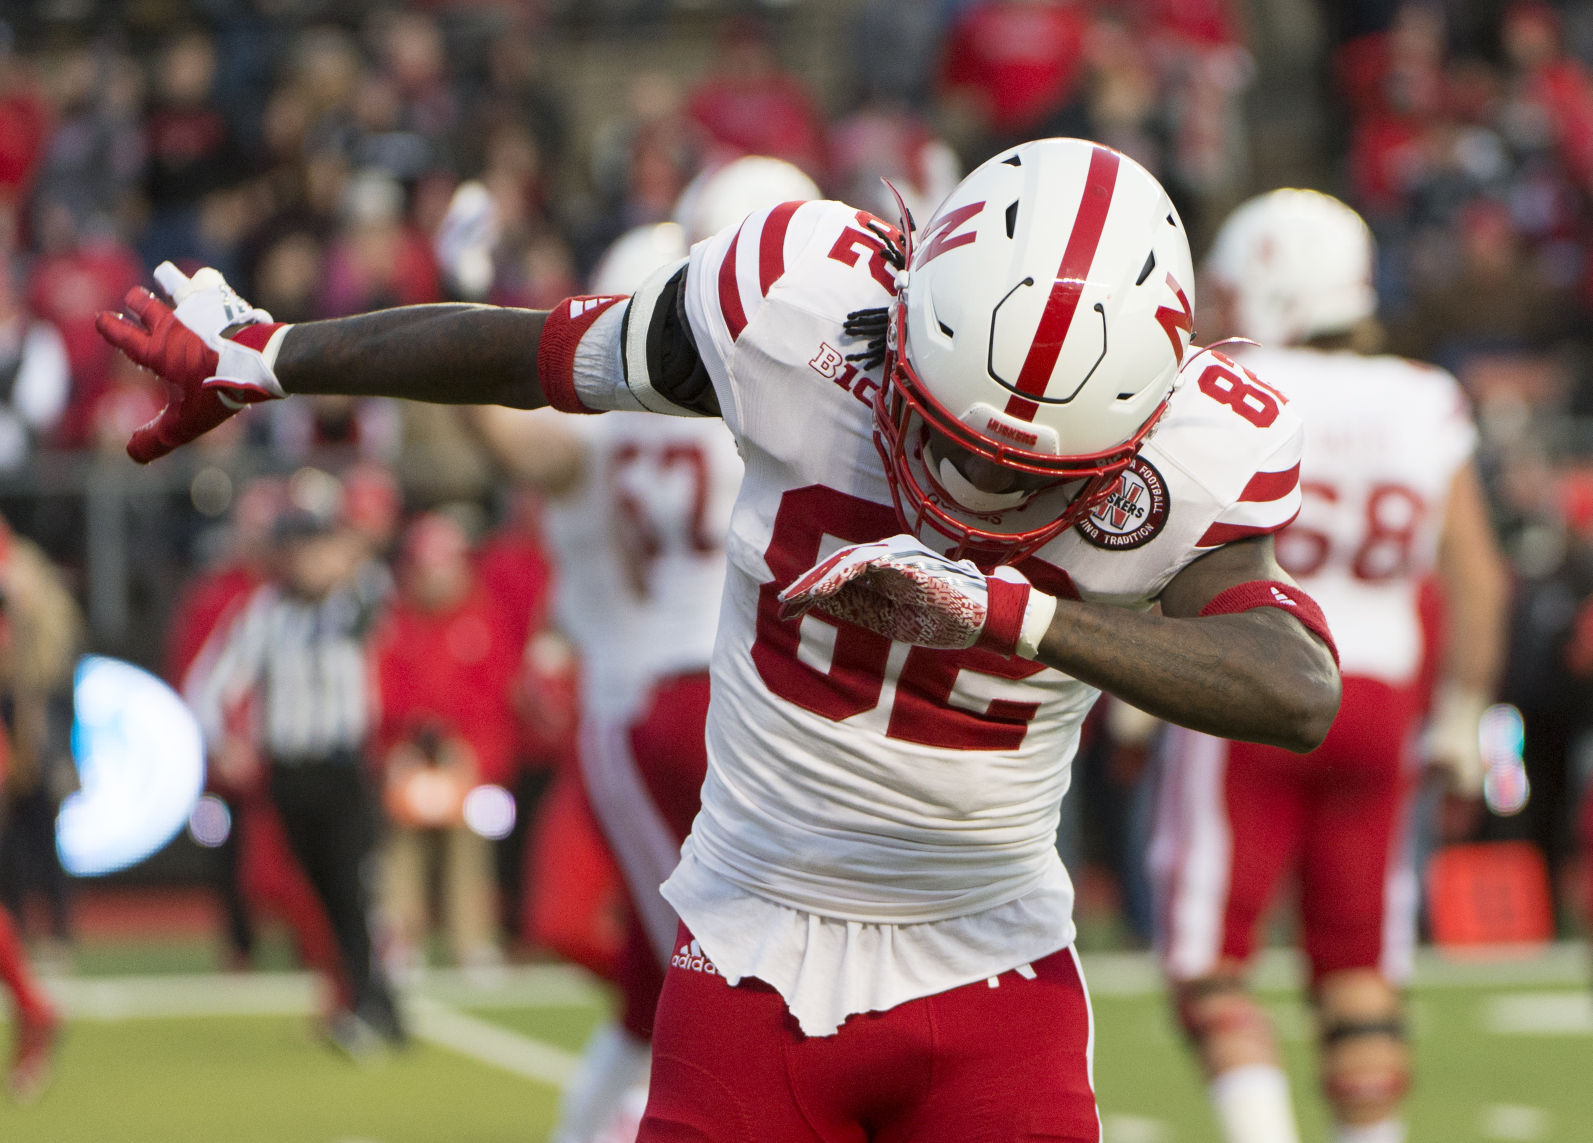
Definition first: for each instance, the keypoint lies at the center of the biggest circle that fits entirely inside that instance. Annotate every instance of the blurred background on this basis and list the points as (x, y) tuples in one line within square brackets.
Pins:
[(309, 149)]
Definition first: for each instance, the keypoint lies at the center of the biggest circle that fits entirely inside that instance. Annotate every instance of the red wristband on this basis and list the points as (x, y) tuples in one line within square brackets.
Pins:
[(1271, 593), (1005, 604), (567, 323)]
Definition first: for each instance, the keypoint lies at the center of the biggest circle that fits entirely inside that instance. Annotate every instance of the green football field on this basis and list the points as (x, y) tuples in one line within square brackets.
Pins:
[(1505, 1053)]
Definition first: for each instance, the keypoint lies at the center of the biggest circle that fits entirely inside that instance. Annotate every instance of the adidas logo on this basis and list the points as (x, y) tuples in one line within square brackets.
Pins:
[(1282, 599), (690, 958), (579, 306)]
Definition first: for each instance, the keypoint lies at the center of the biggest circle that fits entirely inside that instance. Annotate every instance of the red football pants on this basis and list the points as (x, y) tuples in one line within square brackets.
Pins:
[(1234, 818), (977, 1064), (645, 785)]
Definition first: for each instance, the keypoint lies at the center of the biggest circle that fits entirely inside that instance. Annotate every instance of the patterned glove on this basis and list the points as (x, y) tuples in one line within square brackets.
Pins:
[(209, 375), (909, 593)]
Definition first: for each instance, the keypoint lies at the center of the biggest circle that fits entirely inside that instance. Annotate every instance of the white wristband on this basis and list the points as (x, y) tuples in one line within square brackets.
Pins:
[(1037, 616), (250, 368)]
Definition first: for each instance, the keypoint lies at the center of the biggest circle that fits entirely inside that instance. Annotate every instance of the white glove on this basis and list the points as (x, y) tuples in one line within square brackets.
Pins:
[(466, 238), (1451, 741), (909, 593), (207, 305)]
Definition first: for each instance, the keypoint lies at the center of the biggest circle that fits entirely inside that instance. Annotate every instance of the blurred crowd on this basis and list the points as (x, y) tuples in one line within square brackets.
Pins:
[(310, 151)]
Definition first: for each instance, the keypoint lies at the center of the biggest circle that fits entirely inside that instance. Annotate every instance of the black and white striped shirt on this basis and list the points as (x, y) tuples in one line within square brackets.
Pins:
[(305, 662)]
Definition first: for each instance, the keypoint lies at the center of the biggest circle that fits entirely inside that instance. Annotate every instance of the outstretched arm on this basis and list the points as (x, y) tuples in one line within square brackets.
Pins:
[(1257, 675), (217, 354), (444, 354)]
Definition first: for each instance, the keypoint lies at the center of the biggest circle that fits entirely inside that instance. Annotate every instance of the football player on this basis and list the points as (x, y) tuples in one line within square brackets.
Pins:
[(986, 476), (1391, 496)]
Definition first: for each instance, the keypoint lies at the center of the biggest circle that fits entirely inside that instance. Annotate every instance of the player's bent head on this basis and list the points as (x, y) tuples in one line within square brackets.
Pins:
[(1290, 267), (1044, 315)]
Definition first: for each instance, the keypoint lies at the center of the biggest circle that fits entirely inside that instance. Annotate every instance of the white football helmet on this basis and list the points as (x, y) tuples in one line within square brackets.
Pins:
[(1298, 263), (722, 196), (632, 257), (1045, 312)]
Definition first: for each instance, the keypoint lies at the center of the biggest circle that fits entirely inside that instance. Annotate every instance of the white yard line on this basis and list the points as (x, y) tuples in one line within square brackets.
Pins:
[(430, 1006), (491, 1044), (1134, 1129), (113, 998), (1538, 1014), (1276, 969), (559, 986), (1515, 1122)]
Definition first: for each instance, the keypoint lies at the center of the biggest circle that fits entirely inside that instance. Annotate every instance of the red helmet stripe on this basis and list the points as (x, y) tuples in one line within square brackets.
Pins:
[(1022, 409), (1099, 185), (771, 245), (730, 291)]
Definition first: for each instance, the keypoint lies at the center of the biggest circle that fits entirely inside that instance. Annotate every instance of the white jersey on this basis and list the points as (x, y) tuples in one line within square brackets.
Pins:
[(1385, 438), (639, 548), (878, 820)]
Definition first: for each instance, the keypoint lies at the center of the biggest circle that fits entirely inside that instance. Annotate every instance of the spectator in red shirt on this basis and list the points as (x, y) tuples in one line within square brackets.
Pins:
[(445, 665), (83, 265), (1552, 91), (750, 105), (1012, 68), (24, 125)]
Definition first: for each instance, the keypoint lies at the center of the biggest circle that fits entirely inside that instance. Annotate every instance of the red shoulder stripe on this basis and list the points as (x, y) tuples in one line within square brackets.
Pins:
[(1220, 533), (730, 291), (771, 245), (1265, 486)]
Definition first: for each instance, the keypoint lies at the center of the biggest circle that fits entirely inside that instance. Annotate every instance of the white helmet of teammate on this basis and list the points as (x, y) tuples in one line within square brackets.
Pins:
[(1296, 263), (1044, 316), (722, 196), (632, 257)]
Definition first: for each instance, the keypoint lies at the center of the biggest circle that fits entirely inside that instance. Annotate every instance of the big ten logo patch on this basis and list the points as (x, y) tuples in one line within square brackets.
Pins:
[(1132, 513), (831, 364)]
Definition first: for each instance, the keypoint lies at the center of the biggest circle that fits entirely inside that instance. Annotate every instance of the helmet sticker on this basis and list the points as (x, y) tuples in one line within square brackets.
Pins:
[(1172, 320), (942, 234), (1133, 513)]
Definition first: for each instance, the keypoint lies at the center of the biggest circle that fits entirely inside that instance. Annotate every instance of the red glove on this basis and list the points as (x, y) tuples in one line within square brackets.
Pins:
[(181, 347)]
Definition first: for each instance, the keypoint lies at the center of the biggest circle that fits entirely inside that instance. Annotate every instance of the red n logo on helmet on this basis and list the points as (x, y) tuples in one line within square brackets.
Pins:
[(1172, 320), (939, 237)]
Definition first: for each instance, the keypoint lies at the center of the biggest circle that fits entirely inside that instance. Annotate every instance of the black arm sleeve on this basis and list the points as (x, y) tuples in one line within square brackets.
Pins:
[(674, 366)]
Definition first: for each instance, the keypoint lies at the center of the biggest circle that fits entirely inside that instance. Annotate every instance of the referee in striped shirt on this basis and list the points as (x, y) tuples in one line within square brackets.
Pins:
[(296, 658)]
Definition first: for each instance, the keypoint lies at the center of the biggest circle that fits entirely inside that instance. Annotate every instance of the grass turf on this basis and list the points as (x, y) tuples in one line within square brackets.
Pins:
[(132, 1074)]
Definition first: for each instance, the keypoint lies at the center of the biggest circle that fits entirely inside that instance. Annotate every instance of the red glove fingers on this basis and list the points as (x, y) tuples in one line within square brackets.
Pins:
[(173, 352), (820, 582)]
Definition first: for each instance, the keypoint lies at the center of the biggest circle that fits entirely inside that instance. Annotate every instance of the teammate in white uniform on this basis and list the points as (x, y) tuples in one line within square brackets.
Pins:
[(877, 937), (637, 511), (1390, 498)]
